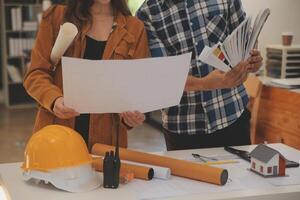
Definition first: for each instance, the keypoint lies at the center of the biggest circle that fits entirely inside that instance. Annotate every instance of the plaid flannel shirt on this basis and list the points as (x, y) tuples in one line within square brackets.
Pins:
[(175, 27)]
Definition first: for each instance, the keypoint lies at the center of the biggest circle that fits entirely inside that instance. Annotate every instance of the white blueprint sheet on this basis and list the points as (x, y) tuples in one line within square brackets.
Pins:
[(115, 86)]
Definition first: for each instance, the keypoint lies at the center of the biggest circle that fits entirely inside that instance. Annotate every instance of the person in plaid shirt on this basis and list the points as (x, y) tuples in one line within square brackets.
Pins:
[(212, 111)]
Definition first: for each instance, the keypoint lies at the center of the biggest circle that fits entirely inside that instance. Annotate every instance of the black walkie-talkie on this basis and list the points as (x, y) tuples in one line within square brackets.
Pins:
[(117, 162), (111, 162), (108, 170)]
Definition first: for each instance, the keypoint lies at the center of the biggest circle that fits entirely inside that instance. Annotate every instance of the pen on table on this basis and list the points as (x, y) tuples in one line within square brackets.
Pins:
[(221, 162), (213, 161)]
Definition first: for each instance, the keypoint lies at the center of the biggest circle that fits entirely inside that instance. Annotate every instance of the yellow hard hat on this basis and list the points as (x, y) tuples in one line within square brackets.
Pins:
[(55, 147)]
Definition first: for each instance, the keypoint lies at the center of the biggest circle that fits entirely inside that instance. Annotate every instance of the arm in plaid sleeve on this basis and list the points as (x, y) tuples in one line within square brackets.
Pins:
[(236, 14), (157, 48)]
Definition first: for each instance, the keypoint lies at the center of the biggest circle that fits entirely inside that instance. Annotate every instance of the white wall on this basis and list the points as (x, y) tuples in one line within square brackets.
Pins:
[(285, 17)]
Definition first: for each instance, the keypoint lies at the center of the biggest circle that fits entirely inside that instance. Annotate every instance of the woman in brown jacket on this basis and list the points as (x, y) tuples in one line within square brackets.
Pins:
[(106, 31)]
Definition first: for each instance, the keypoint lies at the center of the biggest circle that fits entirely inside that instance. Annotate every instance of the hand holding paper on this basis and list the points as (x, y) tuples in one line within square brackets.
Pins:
[(62, 111), (255, 61), (218, 79), (237, 46), (133, 119)]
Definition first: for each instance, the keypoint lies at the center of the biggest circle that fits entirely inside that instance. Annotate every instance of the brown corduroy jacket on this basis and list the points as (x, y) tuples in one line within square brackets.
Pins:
[(44, 82)]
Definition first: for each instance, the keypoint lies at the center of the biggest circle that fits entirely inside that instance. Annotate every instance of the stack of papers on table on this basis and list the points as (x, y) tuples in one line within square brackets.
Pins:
[(286, 83), (237, 46)]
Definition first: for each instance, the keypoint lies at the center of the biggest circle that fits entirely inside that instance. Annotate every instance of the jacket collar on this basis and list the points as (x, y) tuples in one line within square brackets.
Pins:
[(120, 21), (118, 33)]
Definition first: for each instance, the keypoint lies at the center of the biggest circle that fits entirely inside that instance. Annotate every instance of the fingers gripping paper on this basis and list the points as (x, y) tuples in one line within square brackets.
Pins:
[(140, 172), (237, 46), (178, 167), (66, 35)]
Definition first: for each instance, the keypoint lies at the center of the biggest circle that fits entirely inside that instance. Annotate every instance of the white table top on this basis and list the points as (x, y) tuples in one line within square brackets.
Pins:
[(242, 183)]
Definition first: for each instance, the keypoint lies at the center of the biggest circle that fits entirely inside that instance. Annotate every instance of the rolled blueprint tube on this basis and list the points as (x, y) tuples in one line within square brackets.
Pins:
[(159, 172), (139, 172), (181, 168), (66, 35)]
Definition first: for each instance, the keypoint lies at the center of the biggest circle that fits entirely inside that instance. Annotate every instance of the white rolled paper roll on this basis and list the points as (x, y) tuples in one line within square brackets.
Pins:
[(66, 35), (46, 4), (159, 172)]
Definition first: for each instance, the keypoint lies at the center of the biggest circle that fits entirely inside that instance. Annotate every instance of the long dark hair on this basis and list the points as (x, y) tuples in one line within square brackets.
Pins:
[(78, 11)]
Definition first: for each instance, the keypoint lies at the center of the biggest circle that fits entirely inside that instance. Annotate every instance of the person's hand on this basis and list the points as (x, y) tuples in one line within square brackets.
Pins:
[(233, 78), (133, 119), (255, 61), (63, 112)]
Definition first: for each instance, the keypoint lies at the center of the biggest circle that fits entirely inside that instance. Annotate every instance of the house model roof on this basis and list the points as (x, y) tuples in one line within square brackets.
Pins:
[(264, 153)]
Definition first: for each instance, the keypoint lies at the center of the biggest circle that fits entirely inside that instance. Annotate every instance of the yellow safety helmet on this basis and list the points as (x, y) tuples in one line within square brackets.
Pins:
[(59, 155), (54, 147)]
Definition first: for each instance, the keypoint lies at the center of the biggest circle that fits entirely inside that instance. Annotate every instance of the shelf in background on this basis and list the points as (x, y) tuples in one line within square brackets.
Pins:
[(15, 57), (1, 97), (19, 23), (22, 5), (283, 62), (23, 106), (14, 83), (20, 31)]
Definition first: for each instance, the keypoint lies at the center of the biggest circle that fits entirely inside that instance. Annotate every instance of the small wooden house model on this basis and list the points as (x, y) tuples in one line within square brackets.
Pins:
[(267, 161)]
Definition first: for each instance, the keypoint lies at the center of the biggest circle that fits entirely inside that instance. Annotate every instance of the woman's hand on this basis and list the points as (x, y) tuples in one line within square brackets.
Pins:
[(133, 119), (255, 61), (233, 78), (63, 112)]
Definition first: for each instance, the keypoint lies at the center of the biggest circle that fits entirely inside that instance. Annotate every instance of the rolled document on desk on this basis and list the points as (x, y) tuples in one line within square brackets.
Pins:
[(159, 172), (66, 35), (140, 172), (181, 168)]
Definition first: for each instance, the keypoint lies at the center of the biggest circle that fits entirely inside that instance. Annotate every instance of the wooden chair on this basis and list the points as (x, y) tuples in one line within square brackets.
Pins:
[(253, 87)]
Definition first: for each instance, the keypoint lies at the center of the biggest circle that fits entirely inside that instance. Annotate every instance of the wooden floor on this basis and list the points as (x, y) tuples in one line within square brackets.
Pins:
[(16, 126), (15, 129)]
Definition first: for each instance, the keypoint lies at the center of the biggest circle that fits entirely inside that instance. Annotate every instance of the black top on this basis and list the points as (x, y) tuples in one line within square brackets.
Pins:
[(94, 51)]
